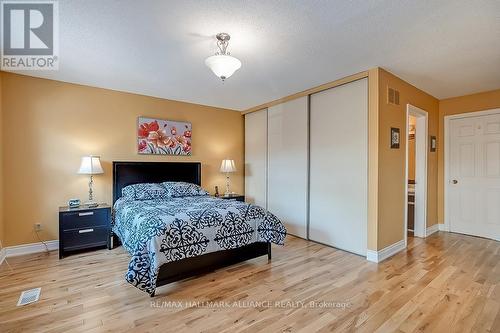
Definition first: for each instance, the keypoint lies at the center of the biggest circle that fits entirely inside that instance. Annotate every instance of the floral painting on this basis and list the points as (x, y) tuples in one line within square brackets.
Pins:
[(163, 137)]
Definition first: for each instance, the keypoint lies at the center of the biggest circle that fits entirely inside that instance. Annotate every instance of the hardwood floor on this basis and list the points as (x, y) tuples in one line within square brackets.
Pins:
[(445, 283)]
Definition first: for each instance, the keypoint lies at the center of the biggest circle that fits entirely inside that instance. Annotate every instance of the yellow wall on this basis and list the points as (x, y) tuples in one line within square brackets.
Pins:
[(392, 162), (373, 162), (456, 105), (49, 125), (470, 103), (46, 126)]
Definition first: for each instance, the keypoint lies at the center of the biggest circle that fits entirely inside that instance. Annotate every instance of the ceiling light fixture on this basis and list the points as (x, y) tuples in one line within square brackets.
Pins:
[(222, 63)]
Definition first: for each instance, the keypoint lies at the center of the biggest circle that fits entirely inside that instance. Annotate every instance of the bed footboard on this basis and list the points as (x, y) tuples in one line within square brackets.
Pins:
[(189, 267)]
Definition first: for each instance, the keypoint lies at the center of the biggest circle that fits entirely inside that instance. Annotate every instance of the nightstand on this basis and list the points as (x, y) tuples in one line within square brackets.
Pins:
[(237, 197), (84, 228)]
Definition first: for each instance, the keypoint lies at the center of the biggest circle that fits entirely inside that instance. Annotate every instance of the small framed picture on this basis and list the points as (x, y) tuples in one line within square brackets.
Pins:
[(433, 144), (395, 138)]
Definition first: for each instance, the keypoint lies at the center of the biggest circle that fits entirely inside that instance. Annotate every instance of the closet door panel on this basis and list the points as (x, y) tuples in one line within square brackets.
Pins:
[(339, 166), (256, 157), (287, 164)]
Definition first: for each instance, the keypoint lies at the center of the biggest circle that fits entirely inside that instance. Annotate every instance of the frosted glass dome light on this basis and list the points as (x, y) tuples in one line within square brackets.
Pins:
[(222, 63)]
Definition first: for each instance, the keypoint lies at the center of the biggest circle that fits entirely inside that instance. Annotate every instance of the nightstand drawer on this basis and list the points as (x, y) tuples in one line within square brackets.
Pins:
[(236, 197), (85, 237), (85, 218), (84, 228)]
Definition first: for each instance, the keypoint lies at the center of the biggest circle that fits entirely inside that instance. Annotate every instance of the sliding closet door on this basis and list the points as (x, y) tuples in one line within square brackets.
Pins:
[(287, 164), (256, 157), (339, 167)]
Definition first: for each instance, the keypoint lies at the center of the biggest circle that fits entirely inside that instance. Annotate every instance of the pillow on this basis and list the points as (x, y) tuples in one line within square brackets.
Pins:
[(182, 189), (144, 191)]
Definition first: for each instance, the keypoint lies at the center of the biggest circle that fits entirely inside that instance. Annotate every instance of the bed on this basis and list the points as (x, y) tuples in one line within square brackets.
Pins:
[(170, 239)]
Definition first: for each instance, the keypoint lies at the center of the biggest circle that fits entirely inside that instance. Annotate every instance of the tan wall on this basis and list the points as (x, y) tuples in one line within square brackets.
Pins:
[(56, 123), (456, 105), (386, 167), (391, 172), (373, 162), (49, 125)]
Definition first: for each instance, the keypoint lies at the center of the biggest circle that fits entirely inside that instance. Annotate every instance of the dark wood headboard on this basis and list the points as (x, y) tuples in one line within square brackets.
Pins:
[(127, 173)]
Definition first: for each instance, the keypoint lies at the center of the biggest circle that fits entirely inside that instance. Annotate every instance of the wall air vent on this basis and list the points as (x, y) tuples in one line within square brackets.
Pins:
[(392, 96)]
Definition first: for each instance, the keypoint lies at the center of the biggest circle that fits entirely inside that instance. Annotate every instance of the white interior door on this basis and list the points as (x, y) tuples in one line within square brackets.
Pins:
[(256, 157), (338, 200), (287, 164), (474, 176)]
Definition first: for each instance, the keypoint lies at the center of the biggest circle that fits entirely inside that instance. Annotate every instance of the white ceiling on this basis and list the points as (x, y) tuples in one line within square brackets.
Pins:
[(158, 48)]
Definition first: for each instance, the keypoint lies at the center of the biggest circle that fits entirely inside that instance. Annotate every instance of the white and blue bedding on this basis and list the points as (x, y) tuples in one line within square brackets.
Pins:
[(167, 229)]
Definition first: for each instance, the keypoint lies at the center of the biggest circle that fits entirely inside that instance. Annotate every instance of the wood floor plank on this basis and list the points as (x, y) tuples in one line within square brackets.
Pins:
[(444, 283)]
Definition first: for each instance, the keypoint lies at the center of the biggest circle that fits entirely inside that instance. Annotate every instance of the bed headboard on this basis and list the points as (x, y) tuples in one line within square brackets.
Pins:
[(127, 173)]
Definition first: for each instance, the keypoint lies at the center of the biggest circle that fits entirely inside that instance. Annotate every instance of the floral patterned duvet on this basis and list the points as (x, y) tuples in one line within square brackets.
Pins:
[(158, 231)]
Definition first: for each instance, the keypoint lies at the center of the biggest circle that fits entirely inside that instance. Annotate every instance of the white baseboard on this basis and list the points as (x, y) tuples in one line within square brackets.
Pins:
[(389, 251), (372, 255), (432, 229), (19, 250), (443, 227), (3, 255)]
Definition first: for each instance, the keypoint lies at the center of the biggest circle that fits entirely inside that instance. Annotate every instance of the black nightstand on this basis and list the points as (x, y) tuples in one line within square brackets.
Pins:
[(84, 228), (237, 197)]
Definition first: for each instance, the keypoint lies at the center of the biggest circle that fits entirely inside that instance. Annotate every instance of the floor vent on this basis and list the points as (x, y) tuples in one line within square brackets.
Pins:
[(29, 296)]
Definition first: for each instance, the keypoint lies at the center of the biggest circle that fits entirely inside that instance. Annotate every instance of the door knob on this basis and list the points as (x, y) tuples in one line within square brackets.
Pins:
[(454, 181)]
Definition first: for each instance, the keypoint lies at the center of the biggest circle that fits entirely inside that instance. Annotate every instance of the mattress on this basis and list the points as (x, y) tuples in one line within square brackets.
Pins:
[(159, 231)]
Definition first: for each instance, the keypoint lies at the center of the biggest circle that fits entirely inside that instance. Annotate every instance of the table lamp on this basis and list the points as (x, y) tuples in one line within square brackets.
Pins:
[(227, 166), (91, 165)]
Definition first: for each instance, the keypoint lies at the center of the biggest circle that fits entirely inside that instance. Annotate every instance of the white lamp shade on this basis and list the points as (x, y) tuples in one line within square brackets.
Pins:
[(90, 165), (223, 65), (227, 166)]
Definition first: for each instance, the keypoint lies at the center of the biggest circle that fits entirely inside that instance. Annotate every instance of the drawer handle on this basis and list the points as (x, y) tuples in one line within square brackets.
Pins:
[(86, 214), (84, 231)]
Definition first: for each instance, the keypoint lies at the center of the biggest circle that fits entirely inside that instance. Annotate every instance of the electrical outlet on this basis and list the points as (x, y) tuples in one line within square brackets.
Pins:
[(38, 226)]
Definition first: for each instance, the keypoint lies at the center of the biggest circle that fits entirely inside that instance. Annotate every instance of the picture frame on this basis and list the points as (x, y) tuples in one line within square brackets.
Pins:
[(411, 132), (163, 137), (395, 138), (433, 145)]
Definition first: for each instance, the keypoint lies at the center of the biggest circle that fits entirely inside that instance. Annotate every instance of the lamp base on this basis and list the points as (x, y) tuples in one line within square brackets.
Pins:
[(91, 204)]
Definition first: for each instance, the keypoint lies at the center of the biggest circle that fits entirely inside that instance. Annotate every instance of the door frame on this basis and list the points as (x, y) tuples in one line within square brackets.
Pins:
[(447, 157), (421, 145)]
